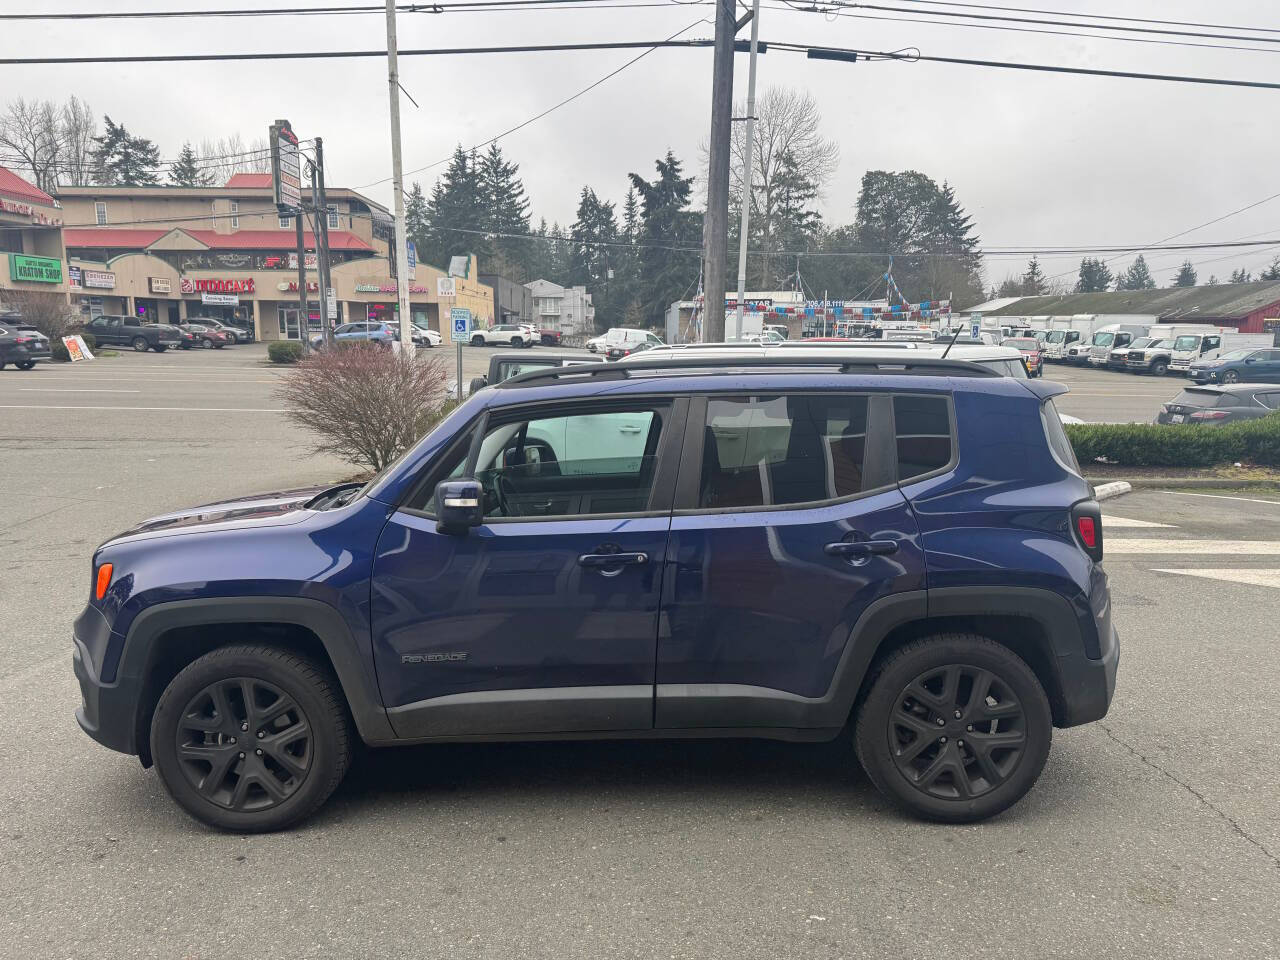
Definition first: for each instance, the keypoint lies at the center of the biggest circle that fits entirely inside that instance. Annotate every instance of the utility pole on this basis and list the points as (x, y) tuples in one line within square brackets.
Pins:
[(304, 319), (746, 172), (400, 253), (322, 239), (715, 225)]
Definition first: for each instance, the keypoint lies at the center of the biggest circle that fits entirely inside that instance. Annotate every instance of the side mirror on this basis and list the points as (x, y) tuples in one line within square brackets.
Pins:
[(1250, 359), (461, 505)]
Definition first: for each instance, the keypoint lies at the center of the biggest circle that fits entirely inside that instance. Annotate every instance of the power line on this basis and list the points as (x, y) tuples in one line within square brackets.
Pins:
[(468, 6), (1097, 16)]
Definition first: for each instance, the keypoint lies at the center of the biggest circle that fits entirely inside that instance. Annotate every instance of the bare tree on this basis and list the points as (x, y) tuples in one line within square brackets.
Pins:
[(31, 129), (79, 126), (787, 143), (47, 312), (228, 156)]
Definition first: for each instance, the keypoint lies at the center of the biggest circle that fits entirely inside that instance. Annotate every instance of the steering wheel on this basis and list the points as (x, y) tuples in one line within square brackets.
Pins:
[(504, 491)]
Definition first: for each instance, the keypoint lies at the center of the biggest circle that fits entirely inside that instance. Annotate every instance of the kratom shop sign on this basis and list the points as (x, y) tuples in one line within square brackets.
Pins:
[(34, 269)]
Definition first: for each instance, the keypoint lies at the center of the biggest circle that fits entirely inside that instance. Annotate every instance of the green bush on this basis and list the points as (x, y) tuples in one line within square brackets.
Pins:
[(59, 349), (1187, 445), (284, 351)]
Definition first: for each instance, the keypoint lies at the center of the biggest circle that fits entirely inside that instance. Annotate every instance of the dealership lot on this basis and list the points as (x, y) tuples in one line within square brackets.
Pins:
[(1153, 834)]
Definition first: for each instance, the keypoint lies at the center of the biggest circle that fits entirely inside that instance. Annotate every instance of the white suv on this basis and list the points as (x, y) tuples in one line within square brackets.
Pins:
[(506, 334)]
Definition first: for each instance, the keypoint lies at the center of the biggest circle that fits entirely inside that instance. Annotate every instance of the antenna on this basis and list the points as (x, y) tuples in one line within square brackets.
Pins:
[(952, 343)]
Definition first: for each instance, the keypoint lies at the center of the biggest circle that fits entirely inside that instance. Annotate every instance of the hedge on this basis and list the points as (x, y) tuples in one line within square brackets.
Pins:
[(1188, 445), (59, 349), (284, 351)]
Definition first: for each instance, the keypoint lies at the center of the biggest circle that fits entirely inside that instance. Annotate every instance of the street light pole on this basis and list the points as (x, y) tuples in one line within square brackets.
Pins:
[(400, 253), (746, 170), (715, 226)]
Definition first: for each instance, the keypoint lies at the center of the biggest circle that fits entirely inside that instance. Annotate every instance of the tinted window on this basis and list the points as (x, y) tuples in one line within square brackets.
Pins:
[(578, 465), (1059, 442), (1006, 368), (1197, 398), (510, 368), (772, 450), (923, 427)]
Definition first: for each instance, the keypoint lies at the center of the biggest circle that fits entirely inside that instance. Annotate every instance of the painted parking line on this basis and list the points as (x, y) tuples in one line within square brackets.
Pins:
[(1110, 521), (1259, 578), (72, 390), (1138, 545), (1217, 496), (41, 406)]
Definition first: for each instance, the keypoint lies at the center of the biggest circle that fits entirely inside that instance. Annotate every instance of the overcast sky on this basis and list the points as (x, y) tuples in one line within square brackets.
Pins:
[(1038, 159)]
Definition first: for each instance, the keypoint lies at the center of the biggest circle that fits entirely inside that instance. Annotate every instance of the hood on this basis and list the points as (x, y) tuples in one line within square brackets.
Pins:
[(260, 510)]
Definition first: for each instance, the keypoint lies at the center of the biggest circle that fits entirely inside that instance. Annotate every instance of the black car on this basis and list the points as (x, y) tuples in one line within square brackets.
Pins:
[(504, 366), (131, 332), (21, 345), (1223, 404)]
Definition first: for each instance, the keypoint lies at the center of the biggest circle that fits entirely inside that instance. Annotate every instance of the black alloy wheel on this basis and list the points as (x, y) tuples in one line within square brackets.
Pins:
[(251, 738), (955, 727), (24, 364), (140, 344)]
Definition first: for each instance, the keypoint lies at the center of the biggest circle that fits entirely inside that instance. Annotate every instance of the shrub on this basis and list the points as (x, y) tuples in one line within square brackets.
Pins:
[(1188, 445), (59, 349), (284, 351), (366, 404), (47, 312)]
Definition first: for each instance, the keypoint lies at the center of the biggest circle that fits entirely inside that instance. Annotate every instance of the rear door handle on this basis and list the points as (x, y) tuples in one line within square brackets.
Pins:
[(611, 559), (860, 548)]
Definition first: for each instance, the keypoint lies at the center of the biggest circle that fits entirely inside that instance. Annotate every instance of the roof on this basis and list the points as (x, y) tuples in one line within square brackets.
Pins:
[(116, 238), (12, 185), (254, 180), (1224, 301), (992, 305), (111, 238)]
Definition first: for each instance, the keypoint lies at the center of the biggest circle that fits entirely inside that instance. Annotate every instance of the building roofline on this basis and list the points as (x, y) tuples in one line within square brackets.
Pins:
[(211, 192)]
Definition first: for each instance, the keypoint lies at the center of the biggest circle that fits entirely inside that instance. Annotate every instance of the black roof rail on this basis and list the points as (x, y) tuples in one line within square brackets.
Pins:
[(719, 365)]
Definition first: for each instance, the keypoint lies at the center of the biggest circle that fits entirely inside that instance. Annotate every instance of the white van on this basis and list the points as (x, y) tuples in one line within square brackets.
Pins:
[(627, 337), (1114, 336), (1192, 346)]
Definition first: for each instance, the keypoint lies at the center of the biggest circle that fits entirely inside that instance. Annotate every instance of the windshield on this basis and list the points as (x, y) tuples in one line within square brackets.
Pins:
[(1022, 343), (1187, 342), (1160, 344), (1054, 336), (1140, 343), (1236, 355), (1103, 339), (1006, 367)]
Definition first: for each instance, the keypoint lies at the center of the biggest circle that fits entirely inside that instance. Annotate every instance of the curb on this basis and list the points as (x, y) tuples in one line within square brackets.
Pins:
[(1202, 483), (1106, 491)]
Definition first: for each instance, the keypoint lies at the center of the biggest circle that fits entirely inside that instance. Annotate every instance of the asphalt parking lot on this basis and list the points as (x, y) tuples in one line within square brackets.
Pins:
[(1155, 833)]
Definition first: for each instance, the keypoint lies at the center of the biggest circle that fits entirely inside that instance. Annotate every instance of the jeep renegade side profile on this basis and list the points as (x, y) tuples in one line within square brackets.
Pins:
[(901, 552)]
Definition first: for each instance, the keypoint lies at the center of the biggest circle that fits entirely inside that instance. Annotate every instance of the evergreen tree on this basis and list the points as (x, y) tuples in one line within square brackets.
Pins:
[(1272, 272), (1095, 277), (506, 210), (120, 159), (456, 217), (592, 255), (1186, 275), (1139, 276), (186, 171), (1033, 282), (626, 274), (417, 222), (1212, 281), (1240, 276), (666, 224)]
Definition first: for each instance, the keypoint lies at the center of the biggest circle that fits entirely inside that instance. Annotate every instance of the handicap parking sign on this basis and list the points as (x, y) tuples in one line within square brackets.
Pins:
[(461, 317)]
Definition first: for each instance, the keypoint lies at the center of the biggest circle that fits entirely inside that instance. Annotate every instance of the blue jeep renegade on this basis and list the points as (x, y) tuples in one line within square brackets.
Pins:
[(899, 553)]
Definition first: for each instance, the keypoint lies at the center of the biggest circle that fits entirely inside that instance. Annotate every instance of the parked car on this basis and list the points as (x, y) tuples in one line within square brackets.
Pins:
[(504, 366), (422, 336), (550, 338), (1152, 358), (505, 334), (596, 344), (628, 337), (1057, 342), (234, 335), (722, 550), (619, 350), (1032, 356), (1110, 338), (208, 338), (1117, 357), (1253, 366), (21, 344), (131, 332), (1217, 405)]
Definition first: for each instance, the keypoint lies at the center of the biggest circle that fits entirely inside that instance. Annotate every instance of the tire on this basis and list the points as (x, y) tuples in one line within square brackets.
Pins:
[(206, 344), (1159, 368), (159, 348), (140, 344), (517, 342), (232, 339), (23, 364), (243, 799), (1230, 376), (907, 692), (477, 341)]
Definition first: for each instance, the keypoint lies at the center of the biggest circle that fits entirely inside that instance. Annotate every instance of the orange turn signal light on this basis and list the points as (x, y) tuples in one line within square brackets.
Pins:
[(104, 580)]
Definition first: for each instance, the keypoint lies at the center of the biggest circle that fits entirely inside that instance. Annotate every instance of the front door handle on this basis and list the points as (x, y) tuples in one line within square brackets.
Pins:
[(611, 559), (860, 548)]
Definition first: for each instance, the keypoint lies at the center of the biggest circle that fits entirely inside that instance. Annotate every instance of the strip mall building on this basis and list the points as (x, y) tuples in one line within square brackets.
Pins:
[(170, 254)]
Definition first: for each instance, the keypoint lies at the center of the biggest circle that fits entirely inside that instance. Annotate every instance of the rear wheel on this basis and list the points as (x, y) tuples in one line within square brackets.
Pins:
[(251, 738), (955, 728), (1230, 376), (477, 341), (23, 364), (160, 348), (140, 344), (517, 342), (206, 343)]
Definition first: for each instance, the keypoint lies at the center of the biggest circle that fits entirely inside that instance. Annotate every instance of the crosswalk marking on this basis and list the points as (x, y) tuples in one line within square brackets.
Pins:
[(1140, 545), (1109, 521), (1260, 578)]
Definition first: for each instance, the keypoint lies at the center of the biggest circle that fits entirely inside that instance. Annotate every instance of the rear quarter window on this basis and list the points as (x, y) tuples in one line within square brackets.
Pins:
[(922, 428), (1056, 434)]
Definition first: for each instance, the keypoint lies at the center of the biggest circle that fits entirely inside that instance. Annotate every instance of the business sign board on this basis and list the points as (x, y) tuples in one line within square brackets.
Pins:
[(73, 275), (99, 279), (77, 349), (218, 285), (446, 287), (220, 299), (286, 167), (34, 269), (159, 285), (310, 261), (412, 253)]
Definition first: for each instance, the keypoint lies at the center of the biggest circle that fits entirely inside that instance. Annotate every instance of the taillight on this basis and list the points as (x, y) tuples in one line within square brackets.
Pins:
[(103, 581), (1086, 525), (1209, 415)]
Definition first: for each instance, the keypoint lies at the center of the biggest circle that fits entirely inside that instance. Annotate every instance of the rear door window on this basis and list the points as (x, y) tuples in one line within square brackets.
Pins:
[(923, 434), (761, 451)]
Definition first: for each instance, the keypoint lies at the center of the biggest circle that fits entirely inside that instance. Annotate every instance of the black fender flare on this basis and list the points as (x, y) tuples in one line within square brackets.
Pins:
[(353, 666)]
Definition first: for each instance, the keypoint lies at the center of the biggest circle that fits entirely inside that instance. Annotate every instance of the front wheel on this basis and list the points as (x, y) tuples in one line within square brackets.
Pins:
[(1159, 368), (955, 728), (140, 344), (477, 341), (206, 344), (517, 342), (1230, 376), (23, 364), (251, 738), (160, 348)]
